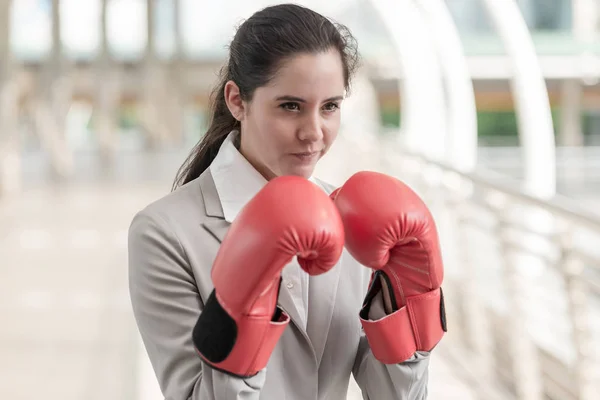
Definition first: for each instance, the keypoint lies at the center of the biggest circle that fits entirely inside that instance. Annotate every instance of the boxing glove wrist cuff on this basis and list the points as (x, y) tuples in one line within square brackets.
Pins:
[(239, 345), (418, 326)]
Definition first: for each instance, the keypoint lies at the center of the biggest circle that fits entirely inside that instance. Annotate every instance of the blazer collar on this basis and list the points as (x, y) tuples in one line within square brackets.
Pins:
[(210, 196), (215, 224)]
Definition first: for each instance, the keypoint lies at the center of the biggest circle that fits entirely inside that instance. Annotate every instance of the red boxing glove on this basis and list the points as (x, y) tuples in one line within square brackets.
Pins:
[(389, 229), (241, 323)]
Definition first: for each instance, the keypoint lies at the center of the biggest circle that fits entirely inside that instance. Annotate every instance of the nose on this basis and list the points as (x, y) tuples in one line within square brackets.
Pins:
[(311, 129)]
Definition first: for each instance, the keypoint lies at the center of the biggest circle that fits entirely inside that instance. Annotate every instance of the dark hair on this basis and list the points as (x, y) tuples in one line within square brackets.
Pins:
[(258, 48)]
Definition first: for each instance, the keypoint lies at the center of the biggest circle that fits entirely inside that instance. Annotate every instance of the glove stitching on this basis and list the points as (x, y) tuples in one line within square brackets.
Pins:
[(408, 266), (399, 285)]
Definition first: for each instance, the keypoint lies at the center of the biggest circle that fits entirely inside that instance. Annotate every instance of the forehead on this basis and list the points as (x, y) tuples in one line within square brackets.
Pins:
[(309, 75)]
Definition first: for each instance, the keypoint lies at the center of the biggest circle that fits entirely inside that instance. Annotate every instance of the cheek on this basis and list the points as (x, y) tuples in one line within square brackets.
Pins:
[(279, 125), (264, 126), (276, 134), (332, 127)]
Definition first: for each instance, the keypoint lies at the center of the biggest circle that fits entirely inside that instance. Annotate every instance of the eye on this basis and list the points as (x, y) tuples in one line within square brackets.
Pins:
[(291, 106), (331, 107)]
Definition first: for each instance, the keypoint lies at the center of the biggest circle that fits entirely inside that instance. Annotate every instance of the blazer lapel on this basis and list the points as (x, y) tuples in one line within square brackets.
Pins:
[(286, 302), (323, 288), (217, 226)]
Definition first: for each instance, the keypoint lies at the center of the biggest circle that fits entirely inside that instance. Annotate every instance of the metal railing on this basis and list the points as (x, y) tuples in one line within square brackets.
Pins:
[(522, 281)]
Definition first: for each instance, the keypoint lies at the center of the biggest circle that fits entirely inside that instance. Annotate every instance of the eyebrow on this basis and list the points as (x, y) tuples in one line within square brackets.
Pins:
[(300, 100)]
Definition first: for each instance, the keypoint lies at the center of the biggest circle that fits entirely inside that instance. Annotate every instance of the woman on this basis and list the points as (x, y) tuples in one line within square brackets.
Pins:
[(276, 112)]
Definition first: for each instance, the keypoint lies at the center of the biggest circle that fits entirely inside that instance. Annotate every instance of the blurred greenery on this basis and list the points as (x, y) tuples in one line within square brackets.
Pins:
[(128, 118), (390, 117), (500, 126)]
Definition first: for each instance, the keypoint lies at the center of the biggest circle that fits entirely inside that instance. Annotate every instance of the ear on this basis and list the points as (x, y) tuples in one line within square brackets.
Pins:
[(234, 101)]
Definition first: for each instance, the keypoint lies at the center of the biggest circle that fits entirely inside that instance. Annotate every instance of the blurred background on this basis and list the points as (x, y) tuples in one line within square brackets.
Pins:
[(490, 109)]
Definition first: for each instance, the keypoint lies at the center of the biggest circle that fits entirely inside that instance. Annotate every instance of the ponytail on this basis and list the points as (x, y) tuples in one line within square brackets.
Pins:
[(221, 124)]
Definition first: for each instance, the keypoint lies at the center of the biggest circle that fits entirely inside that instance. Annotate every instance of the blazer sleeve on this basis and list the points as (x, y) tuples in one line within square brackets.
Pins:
[(377, 381), (166, 305)]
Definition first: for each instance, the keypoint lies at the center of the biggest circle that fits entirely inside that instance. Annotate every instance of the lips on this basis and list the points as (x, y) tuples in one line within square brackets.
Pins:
[(306, 156)]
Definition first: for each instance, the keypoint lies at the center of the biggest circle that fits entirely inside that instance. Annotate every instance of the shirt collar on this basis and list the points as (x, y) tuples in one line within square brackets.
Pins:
[(236, 180)]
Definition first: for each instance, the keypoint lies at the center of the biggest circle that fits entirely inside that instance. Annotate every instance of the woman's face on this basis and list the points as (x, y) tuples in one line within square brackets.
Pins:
[(291, 122)]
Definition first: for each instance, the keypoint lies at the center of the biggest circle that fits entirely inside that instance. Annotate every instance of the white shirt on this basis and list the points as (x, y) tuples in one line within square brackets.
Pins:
[(237, 182)]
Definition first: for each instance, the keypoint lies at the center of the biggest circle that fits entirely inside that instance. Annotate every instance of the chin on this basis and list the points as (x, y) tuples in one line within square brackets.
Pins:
[(303, 172), (302, 169)]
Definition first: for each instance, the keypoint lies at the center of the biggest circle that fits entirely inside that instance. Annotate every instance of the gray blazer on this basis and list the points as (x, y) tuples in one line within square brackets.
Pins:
[(172, 244)]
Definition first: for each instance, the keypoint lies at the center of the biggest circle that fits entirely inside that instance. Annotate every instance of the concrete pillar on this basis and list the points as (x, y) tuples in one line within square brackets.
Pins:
[(150, 26), (151, 114), (178, 30), (570, 133), (10, 162), (174, 107), (181, 99), (106, 95), (163, 107), (585, 19), (52, 102), (104, 56), (4, 38), (59, 84), (55, 62)]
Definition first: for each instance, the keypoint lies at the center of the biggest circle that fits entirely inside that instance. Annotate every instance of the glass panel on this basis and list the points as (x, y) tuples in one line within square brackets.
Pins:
[(31, 29), (207, 30), (80, 27), (164, 28), (127, 28), (547, 15), (469, 16), (550, 22)]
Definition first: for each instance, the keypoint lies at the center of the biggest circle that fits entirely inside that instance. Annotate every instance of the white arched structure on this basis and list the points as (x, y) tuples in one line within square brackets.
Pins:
[(461, 144), (424, 122), (442, 125), (531, 98)]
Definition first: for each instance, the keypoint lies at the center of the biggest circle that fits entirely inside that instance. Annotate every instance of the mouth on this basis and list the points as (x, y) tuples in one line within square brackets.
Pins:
[(307, 155)]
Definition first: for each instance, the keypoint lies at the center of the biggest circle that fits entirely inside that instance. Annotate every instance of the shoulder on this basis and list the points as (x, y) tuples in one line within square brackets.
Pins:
[(171, 212)]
